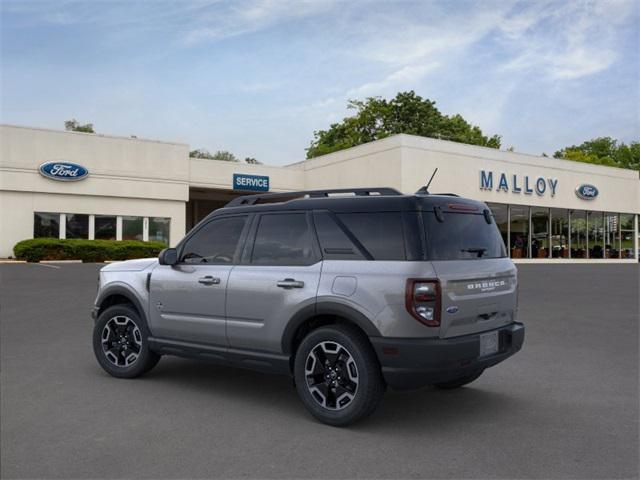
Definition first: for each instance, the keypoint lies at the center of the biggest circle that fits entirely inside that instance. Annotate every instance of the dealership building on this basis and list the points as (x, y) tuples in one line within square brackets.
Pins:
[(77, 185)]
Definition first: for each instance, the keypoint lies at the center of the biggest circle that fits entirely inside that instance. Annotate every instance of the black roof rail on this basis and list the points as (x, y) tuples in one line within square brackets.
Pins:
[(447, 194), (246, 200)]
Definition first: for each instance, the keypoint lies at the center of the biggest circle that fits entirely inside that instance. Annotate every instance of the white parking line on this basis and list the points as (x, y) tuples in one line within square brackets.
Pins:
[(46, 265)]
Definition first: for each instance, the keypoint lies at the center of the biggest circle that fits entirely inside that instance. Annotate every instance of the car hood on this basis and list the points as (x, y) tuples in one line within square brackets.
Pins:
[(130, 265)]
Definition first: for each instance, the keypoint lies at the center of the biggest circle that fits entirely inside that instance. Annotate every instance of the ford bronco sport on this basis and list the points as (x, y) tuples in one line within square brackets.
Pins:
[(347, 291)]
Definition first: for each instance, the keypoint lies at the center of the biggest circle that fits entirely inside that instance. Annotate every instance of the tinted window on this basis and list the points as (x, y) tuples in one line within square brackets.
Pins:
[(283, 240), (77, 226), (334, 242), (216, 242), (105, 227), (462, 236), (379, 232), (46, 225)]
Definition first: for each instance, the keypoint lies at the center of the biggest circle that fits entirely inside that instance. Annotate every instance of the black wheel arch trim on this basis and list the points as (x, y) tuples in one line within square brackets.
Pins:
[(123, 291), (326, 308)]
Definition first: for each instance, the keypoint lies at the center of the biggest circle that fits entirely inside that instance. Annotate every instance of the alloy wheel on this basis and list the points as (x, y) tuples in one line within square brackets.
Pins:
[(121, 341), (332, 375)]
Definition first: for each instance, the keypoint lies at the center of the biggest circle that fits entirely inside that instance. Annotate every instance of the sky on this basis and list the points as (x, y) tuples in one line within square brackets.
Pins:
[(258, 77)]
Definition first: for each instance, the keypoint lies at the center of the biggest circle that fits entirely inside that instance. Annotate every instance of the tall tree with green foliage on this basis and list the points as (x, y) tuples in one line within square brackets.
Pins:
[(604, 151), (377, 118), (74, 126)]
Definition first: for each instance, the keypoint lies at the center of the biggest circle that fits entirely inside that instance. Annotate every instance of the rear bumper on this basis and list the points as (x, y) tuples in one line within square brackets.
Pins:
[(414, 363)]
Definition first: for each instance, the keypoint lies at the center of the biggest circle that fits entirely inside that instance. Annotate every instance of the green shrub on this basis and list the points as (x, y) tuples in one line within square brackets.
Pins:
[(36, 249)]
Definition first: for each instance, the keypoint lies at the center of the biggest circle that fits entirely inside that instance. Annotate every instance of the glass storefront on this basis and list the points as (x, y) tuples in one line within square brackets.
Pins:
[(559, 233), (106, 227), (519, 228), (46, 225), (77, 226), (578, 234), (159, 229), (132, 228), (627, 234), (537, 232), (501, 216)]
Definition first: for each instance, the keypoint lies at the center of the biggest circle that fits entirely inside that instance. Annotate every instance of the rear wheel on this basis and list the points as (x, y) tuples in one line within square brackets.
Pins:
[(337, 375), (459, 382), (120, 343)]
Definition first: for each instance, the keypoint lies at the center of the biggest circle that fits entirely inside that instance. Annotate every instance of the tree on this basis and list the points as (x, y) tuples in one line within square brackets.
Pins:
[(74, 126), (219, 155), (252, 161), (604, 151), (377, 118)]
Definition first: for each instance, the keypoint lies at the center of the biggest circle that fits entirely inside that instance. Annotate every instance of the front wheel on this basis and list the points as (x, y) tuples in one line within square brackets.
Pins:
[(337, 375), (120, 343)]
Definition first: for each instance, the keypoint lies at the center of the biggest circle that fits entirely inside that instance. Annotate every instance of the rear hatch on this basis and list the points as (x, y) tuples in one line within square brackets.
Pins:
[(478, 282)]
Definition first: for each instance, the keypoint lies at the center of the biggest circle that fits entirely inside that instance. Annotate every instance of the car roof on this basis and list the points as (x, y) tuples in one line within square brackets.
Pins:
[(355, 203)]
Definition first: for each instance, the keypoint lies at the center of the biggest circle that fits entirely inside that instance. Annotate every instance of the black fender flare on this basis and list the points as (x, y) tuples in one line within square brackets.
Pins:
[(122, 290), (326, 308)]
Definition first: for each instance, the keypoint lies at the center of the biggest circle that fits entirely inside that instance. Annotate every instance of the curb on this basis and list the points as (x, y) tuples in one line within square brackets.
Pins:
[(3, 261), (59, 261)]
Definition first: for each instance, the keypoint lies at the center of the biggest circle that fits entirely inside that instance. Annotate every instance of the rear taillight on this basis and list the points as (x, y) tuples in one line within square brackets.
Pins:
[(423, 301)]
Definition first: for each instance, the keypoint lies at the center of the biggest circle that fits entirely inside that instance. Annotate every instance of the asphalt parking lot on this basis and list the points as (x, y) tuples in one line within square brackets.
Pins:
[(564, 407)]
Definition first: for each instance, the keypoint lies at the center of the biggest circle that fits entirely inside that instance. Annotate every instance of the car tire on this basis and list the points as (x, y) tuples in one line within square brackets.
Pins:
[(120, 342), (337, 375), (459, 382)]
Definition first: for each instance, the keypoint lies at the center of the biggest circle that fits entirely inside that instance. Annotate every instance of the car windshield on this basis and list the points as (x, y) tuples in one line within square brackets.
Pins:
[(462, 236)]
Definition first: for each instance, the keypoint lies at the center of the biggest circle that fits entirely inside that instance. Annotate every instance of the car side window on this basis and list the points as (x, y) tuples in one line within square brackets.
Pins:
[(215, 243), (380, 233), (283, 239)]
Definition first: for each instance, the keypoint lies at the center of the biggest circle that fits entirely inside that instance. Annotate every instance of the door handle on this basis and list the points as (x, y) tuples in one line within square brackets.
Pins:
[(209, 280), (290, 283)]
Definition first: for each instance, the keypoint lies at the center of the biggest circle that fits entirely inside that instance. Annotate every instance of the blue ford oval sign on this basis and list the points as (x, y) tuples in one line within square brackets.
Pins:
[(586, 191), (64, 171)]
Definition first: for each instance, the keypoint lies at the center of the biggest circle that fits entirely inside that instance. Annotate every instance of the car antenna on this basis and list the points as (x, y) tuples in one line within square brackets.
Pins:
[(425, 190)]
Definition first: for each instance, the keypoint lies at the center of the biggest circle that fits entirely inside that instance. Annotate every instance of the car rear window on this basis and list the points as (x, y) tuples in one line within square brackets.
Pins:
[(462, 236)]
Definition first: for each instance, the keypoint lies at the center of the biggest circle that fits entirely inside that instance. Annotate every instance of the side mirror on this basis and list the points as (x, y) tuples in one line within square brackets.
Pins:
[(168, 256)]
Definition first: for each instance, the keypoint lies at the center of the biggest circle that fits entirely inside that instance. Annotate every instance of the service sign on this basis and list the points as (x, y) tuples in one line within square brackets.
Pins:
[(251, 183), (586, 191), (63, 171)]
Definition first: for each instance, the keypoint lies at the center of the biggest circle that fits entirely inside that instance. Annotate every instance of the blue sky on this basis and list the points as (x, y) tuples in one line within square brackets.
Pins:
[(257, 77)]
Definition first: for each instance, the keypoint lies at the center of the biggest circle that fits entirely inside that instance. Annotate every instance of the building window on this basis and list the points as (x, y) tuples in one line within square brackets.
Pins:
[(539, 232), (627, 233), (46, 225), (501, 217), (105, 227), (519, 228), (559, 233), (77, 226), (595, 234), (578, 234), (611, 235), (132, 228), (159, 229)]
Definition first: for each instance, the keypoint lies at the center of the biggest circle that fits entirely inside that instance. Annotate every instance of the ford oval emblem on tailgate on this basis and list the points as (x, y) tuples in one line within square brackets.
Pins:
[(453, 309)]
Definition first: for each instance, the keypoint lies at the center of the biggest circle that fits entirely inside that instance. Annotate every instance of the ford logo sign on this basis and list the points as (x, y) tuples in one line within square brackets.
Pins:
[(63, 171), (586, 191), (452, 309)]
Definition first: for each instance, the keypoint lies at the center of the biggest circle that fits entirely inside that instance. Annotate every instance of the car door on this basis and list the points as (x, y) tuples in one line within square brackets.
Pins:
[(187, 300), (278, 276)]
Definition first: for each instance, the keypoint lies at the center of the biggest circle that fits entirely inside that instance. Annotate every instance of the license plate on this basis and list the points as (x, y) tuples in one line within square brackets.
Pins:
[(489, 343)]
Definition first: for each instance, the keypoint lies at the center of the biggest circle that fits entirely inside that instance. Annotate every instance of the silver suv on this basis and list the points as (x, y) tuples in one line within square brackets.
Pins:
[(347, 291)]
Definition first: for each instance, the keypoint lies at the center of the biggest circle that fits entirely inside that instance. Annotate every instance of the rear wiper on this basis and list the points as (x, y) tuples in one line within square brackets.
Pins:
[(479, 251)]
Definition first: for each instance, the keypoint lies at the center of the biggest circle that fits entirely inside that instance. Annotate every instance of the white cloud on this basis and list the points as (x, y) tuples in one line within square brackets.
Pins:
[(405, 77)]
